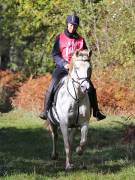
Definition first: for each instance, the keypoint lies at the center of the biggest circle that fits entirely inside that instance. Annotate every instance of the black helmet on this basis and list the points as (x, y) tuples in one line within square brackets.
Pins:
[(73, 19)]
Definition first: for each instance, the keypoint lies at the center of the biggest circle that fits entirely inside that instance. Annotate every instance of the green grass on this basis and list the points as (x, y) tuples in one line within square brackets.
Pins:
[(25, 148)]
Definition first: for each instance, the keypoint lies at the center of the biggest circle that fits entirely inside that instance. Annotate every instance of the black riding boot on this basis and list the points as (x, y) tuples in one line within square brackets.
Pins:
[(48, 101), (57, 75), (94, 103)]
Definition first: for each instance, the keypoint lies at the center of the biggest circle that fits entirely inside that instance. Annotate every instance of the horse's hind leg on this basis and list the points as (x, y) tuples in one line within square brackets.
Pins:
[(54, 134), (83, 141), (71, 136)]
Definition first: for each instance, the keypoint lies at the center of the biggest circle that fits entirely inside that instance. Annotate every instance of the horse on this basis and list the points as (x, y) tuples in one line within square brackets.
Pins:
[(72, 108)]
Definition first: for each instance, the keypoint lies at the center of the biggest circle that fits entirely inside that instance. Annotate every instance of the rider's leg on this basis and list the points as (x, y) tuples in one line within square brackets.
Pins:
[(94, 103), (56, 76), (48, 100)]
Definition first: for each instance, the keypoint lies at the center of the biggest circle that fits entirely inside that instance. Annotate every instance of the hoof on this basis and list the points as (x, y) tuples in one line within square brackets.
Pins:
[(54, 156), (79, 151)]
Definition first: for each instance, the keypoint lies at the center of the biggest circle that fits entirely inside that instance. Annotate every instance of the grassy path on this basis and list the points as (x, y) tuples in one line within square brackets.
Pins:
[(25, 148)]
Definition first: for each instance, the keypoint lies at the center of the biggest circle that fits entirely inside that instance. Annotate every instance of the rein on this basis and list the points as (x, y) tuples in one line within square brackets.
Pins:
[(76, 98)]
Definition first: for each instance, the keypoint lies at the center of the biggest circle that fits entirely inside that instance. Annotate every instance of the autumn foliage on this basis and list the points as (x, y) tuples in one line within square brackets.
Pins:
[(29, 94)]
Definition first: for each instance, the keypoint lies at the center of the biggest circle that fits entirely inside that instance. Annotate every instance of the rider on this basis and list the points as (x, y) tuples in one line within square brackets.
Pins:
[(65, 45)]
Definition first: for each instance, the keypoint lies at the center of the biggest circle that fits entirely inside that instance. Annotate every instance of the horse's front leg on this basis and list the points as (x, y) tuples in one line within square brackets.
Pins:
[(67, 145), (83, 141)]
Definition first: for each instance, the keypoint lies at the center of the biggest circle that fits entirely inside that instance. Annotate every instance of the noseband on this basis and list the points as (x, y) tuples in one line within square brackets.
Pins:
[(76, 81)]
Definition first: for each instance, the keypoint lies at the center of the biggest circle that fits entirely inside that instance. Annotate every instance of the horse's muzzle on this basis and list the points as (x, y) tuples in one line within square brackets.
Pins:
[(85, 86)]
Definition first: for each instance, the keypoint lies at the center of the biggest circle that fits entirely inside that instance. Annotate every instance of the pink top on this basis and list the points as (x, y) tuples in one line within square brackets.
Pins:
[(69, 45)]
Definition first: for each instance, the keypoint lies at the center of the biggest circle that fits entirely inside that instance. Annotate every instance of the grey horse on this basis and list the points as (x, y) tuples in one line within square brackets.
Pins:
[(72, 106)]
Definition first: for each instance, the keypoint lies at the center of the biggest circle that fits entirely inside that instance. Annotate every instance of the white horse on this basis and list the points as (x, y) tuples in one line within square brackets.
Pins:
[(72, 106)]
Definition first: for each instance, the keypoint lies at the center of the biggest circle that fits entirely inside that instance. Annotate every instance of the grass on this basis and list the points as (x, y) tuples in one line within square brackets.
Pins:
[(25, 148)]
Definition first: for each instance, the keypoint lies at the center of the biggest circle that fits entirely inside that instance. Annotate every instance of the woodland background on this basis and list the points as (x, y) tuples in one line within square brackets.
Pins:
[(27, 32)]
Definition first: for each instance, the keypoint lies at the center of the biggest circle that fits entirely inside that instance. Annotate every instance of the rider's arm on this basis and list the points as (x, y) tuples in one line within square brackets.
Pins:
[(56, 54)]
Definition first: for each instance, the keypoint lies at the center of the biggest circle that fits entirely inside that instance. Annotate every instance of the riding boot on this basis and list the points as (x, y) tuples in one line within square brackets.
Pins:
[(94, 103), (56, 76), (48, 102)]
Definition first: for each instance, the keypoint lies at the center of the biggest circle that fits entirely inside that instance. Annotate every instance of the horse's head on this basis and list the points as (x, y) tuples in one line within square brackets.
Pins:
[(81, 69)]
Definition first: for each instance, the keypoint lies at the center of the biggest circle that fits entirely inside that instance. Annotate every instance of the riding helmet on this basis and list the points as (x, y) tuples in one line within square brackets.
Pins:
[(73, 19)]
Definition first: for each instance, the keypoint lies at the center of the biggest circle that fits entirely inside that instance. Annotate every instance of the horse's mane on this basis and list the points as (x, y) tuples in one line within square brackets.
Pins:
[(72, 60)]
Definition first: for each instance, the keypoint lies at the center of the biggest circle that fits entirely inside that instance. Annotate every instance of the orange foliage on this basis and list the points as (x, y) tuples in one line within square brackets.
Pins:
[(30, 94), (118, 97), (8, 82)]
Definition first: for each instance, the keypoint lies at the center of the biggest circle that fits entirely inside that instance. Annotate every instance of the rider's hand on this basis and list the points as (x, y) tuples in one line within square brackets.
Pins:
[(66, 66)]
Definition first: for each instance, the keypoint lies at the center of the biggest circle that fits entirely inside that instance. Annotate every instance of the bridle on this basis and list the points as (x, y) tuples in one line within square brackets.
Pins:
[(77, 82), (76, 98)]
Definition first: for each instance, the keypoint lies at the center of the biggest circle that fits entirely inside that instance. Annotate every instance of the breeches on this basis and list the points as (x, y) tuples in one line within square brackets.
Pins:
[(57, 75)]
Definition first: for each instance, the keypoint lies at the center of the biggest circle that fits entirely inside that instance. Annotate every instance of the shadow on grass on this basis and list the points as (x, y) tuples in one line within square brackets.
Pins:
[(28, 151)]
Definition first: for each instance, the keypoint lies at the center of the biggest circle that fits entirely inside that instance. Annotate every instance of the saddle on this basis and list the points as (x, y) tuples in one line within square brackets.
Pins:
[(56, 90)]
